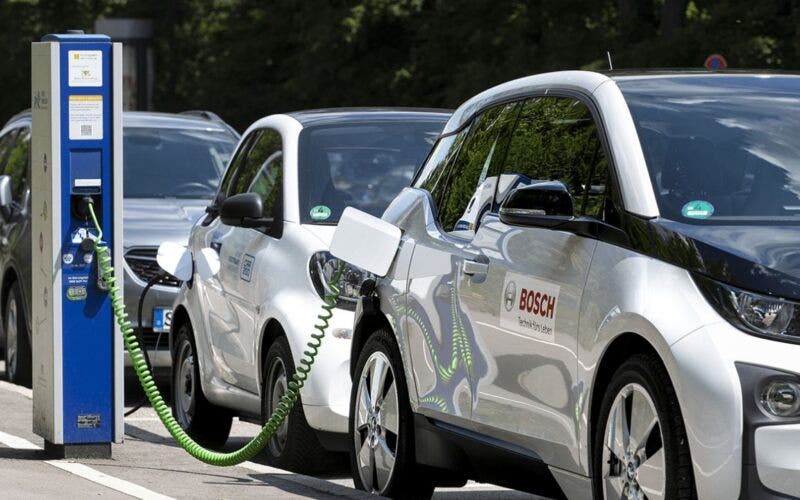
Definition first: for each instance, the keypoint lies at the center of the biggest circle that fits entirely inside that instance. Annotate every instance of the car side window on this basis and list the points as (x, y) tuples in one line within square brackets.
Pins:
[(261, 171), (441, 159), (18, 166), (557, 139), (268, 183), (234, 165), (465, 196)]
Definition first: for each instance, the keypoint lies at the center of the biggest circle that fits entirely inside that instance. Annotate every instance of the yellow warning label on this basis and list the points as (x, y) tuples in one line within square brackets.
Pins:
[(85, 98), (85, 117)]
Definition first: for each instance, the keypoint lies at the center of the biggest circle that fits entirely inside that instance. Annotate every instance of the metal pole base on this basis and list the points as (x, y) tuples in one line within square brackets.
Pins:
[(81, 450)]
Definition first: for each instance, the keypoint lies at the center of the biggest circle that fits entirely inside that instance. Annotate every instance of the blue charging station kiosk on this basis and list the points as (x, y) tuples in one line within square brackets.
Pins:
[(76, 143)]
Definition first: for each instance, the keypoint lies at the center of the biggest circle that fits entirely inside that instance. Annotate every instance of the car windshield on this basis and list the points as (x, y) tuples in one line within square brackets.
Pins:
[(174, 163), (720, 148), (360, 164)]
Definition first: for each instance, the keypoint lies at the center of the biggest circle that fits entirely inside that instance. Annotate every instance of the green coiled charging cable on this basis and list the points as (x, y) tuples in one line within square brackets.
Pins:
[(288, 399)]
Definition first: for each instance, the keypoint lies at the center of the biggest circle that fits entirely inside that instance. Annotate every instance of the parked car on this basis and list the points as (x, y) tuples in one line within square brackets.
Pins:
[(622, 323), (238, 335), (171, 166)]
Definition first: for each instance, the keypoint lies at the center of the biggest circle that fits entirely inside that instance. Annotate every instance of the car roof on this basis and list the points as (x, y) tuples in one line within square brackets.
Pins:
[(149, 119), (329, 116), (631, 74), (581, 81)]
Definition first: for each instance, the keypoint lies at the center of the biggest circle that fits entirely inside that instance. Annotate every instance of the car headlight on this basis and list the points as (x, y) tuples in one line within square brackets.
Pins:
[(322, 268), (753, 313)]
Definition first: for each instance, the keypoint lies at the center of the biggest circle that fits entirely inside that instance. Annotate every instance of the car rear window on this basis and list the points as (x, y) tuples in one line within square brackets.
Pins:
[(174, 163)]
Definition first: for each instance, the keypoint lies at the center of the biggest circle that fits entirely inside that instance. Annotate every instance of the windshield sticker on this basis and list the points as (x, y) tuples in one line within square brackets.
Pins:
[(529, 306), (320, 212), (698, 209)]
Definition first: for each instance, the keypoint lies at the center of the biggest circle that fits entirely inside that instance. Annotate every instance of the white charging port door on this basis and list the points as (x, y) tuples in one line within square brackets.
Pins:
[(365, 241)]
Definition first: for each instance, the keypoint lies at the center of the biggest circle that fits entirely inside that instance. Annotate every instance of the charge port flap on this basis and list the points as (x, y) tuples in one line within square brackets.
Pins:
[(366, 241)]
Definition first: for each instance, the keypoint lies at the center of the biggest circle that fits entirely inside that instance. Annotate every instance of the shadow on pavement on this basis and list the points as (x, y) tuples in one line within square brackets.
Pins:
[(15, 454)]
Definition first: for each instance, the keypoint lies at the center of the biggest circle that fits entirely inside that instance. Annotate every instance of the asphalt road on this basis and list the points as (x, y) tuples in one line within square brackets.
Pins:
[(150, 465)]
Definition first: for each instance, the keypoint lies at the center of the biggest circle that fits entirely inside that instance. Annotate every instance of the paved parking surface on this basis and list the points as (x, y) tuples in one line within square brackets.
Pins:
[(149, 465)]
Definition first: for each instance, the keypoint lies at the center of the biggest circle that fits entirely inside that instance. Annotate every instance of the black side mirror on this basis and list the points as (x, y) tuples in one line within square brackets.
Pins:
[(243, 210), (545, 204), (549, 205)]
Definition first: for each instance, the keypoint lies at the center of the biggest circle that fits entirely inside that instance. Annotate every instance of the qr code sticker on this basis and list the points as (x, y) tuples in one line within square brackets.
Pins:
[(86, 130)]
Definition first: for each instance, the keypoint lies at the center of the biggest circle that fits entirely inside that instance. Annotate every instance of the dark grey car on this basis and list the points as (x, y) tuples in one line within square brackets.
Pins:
[(172, 165)]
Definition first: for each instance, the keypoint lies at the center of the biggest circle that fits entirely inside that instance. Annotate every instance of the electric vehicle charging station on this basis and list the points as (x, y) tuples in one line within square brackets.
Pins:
[(76, 156)]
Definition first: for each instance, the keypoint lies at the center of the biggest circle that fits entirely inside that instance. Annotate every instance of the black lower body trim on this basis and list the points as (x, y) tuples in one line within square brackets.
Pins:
[(460, 454)]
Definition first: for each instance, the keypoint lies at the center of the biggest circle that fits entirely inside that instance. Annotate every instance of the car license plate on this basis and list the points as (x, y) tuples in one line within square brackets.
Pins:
[(162, 319)]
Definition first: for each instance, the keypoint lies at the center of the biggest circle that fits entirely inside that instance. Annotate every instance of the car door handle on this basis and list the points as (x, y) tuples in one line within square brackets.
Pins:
[(473, 267)]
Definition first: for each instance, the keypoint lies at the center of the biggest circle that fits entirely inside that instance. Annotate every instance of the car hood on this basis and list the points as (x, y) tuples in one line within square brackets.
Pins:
[(759, 258), (152, 221)]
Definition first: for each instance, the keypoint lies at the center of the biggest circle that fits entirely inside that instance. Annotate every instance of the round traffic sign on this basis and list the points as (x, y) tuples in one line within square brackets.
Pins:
[(715, 62)]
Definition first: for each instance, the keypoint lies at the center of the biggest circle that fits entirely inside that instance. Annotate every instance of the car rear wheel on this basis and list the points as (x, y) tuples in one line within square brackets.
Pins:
[(641, 450), (295, 445), (17, 348), (206, 423), (381, 425)]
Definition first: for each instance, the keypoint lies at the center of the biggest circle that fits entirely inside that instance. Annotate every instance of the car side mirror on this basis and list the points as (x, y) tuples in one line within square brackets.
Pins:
[(5, 195), (243, 210), (176, 260), (544, 204), (5, 191), (549, 205)]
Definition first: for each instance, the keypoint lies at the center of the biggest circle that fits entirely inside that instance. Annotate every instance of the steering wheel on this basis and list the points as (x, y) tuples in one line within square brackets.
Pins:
[(192, 187)]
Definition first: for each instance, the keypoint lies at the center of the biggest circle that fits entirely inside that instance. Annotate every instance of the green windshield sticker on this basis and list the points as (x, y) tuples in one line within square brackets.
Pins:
[(320, 212), (698, 209)]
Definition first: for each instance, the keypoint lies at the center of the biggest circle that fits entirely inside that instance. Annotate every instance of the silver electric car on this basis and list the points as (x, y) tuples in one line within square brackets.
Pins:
[(239, 333), (172, 166), (619, 318)]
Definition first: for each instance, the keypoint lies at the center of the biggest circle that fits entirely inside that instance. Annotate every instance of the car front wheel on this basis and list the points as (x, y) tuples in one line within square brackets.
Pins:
[(381, 425), (17, 348), (295, 445), (208, 424), (641, 450)]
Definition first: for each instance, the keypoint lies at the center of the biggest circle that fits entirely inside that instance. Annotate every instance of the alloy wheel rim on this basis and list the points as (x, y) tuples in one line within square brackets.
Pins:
[(276, 388), (376, 423), (11, 339), (185, 385), (633, 450)]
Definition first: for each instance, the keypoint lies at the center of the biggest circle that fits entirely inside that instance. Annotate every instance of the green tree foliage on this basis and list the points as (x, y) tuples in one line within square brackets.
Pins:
[(248, 58)]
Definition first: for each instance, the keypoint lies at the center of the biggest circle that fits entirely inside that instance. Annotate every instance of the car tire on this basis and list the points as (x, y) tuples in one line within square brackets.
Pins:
[(18, 348), (208, 424), (640, 440), (382, 425), (295, 445)]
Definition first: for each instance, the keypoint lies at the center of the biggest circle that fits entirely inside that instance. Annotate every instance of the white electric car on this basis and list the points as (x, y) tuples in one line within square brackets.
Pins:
[(238, 334), (622, 321)]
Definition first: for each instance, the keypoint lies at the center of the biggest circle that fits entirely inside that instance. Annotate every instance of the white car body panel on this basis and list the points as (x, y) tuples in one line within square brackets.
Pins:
[(264, 283), (606, 291)]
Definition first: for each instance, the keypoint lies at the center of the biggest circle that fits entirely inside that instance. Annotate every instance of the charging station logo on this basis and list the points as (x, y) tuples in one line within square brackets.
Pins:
[(40, 100)]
